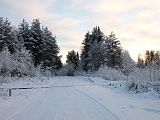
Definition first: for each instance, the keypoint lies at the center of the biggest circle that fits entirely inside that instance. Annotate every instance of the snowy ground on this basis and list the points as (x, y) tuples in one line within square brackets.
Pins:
[(76, 98)]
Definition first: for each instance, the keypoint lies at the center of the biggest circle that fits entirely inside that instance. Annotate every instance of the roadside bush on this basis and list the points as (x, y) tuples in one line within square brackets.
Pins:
[(19, 64), (109, 74)]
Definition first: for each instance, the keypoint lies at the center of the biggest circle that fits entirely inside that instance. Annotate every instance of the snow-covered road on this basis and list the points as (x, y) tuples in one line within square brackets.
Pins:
[(72, 98), (63, 101)]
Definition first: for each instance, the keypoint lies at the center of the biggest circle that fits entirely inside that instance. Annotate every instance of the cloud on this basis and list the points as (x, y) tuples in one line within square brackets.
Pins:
[(29, 8)]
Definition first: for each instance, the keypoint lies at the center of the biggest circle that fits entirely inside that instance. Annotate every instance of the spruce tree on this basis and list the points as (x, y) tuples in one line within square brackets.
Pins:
[(36, 42), (7, 36), (97, 35), (91, 56), (25, 34), (51, 60), (85, 56), (149, 57), (73, 59), (113, 51), (157, 58)]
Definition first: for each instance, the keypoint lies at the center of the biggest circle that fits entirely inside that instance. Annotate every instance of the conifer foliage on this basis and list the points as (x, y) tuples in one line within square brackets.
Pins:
[(113, 51), (51, 60), (24, 34), (99, 50), (27, 47), (151, 58), (7, 38), (73, 59)]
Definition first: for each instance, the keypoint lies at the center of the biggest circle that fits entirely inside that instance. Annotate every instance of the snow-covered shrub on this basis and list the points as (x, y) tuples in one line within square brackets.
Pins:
[(155, 86), (142, 79), (136, 85), (139, 80), (7, 63), (147, 74), (18, 64), (109, 73), (24, 64), (38, 70)]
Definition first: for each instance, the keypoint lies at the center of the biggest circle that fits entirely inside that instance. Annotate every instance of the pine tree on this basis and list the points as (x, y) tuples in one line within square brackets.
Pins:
[(78, 63), (7, 37), (149, 57), (51, 60), (113, 51), (97, 54), (85, 55), (72, 62), (58, 63), (91, 56), (157, 58), (25, 34), (73, 59), (152, 58), (97, 35), (36, 42)]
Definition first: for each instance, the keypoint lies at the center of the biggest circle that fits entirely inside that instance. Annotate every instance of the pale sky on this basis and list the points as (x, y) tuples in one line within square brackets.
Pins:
[(135, 22)]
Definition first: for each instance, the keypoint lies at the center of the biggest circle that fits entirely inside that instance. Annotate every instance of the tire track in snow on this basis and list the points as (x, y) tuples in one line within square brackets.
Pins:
[(107, 110), (23, 107), (93, 110)]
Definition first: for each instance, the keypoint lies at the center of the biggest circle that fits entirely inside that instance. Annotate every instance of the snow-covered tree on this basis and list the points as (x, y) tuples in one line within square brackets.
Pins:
[(157, 58), (7, 38), (97, 55), (24, 63), (51, 59), (85, 55), (126, 59), (73, 59), (17, 64), (91, 55), (6, 63), (149, 57), (25, 34), (113, 51), (27, 45), (152, 57), (97, 35), (36, 42)]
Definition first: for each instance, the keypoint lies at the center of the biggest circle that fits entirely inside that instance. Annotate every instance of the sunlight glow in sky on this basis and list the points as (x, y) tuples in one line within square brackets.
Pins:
[(135, 22)]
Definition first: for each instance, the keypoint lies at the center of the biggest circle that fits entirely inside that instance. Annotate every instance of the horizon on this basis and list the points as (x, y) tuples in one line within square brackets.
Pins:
[(135, 23)]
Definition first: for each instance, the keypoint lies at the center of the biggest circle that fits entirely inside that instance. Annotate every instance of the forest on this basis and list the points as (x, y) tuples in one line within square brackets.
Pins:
[(30, 50)]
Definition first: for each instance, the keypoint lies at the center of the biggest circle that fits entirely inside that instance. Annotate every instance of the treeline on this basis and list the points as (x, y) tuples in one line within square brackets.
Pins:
[(102, 55), (151, 57), (32, 47), (26, 48), (98, 50)]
